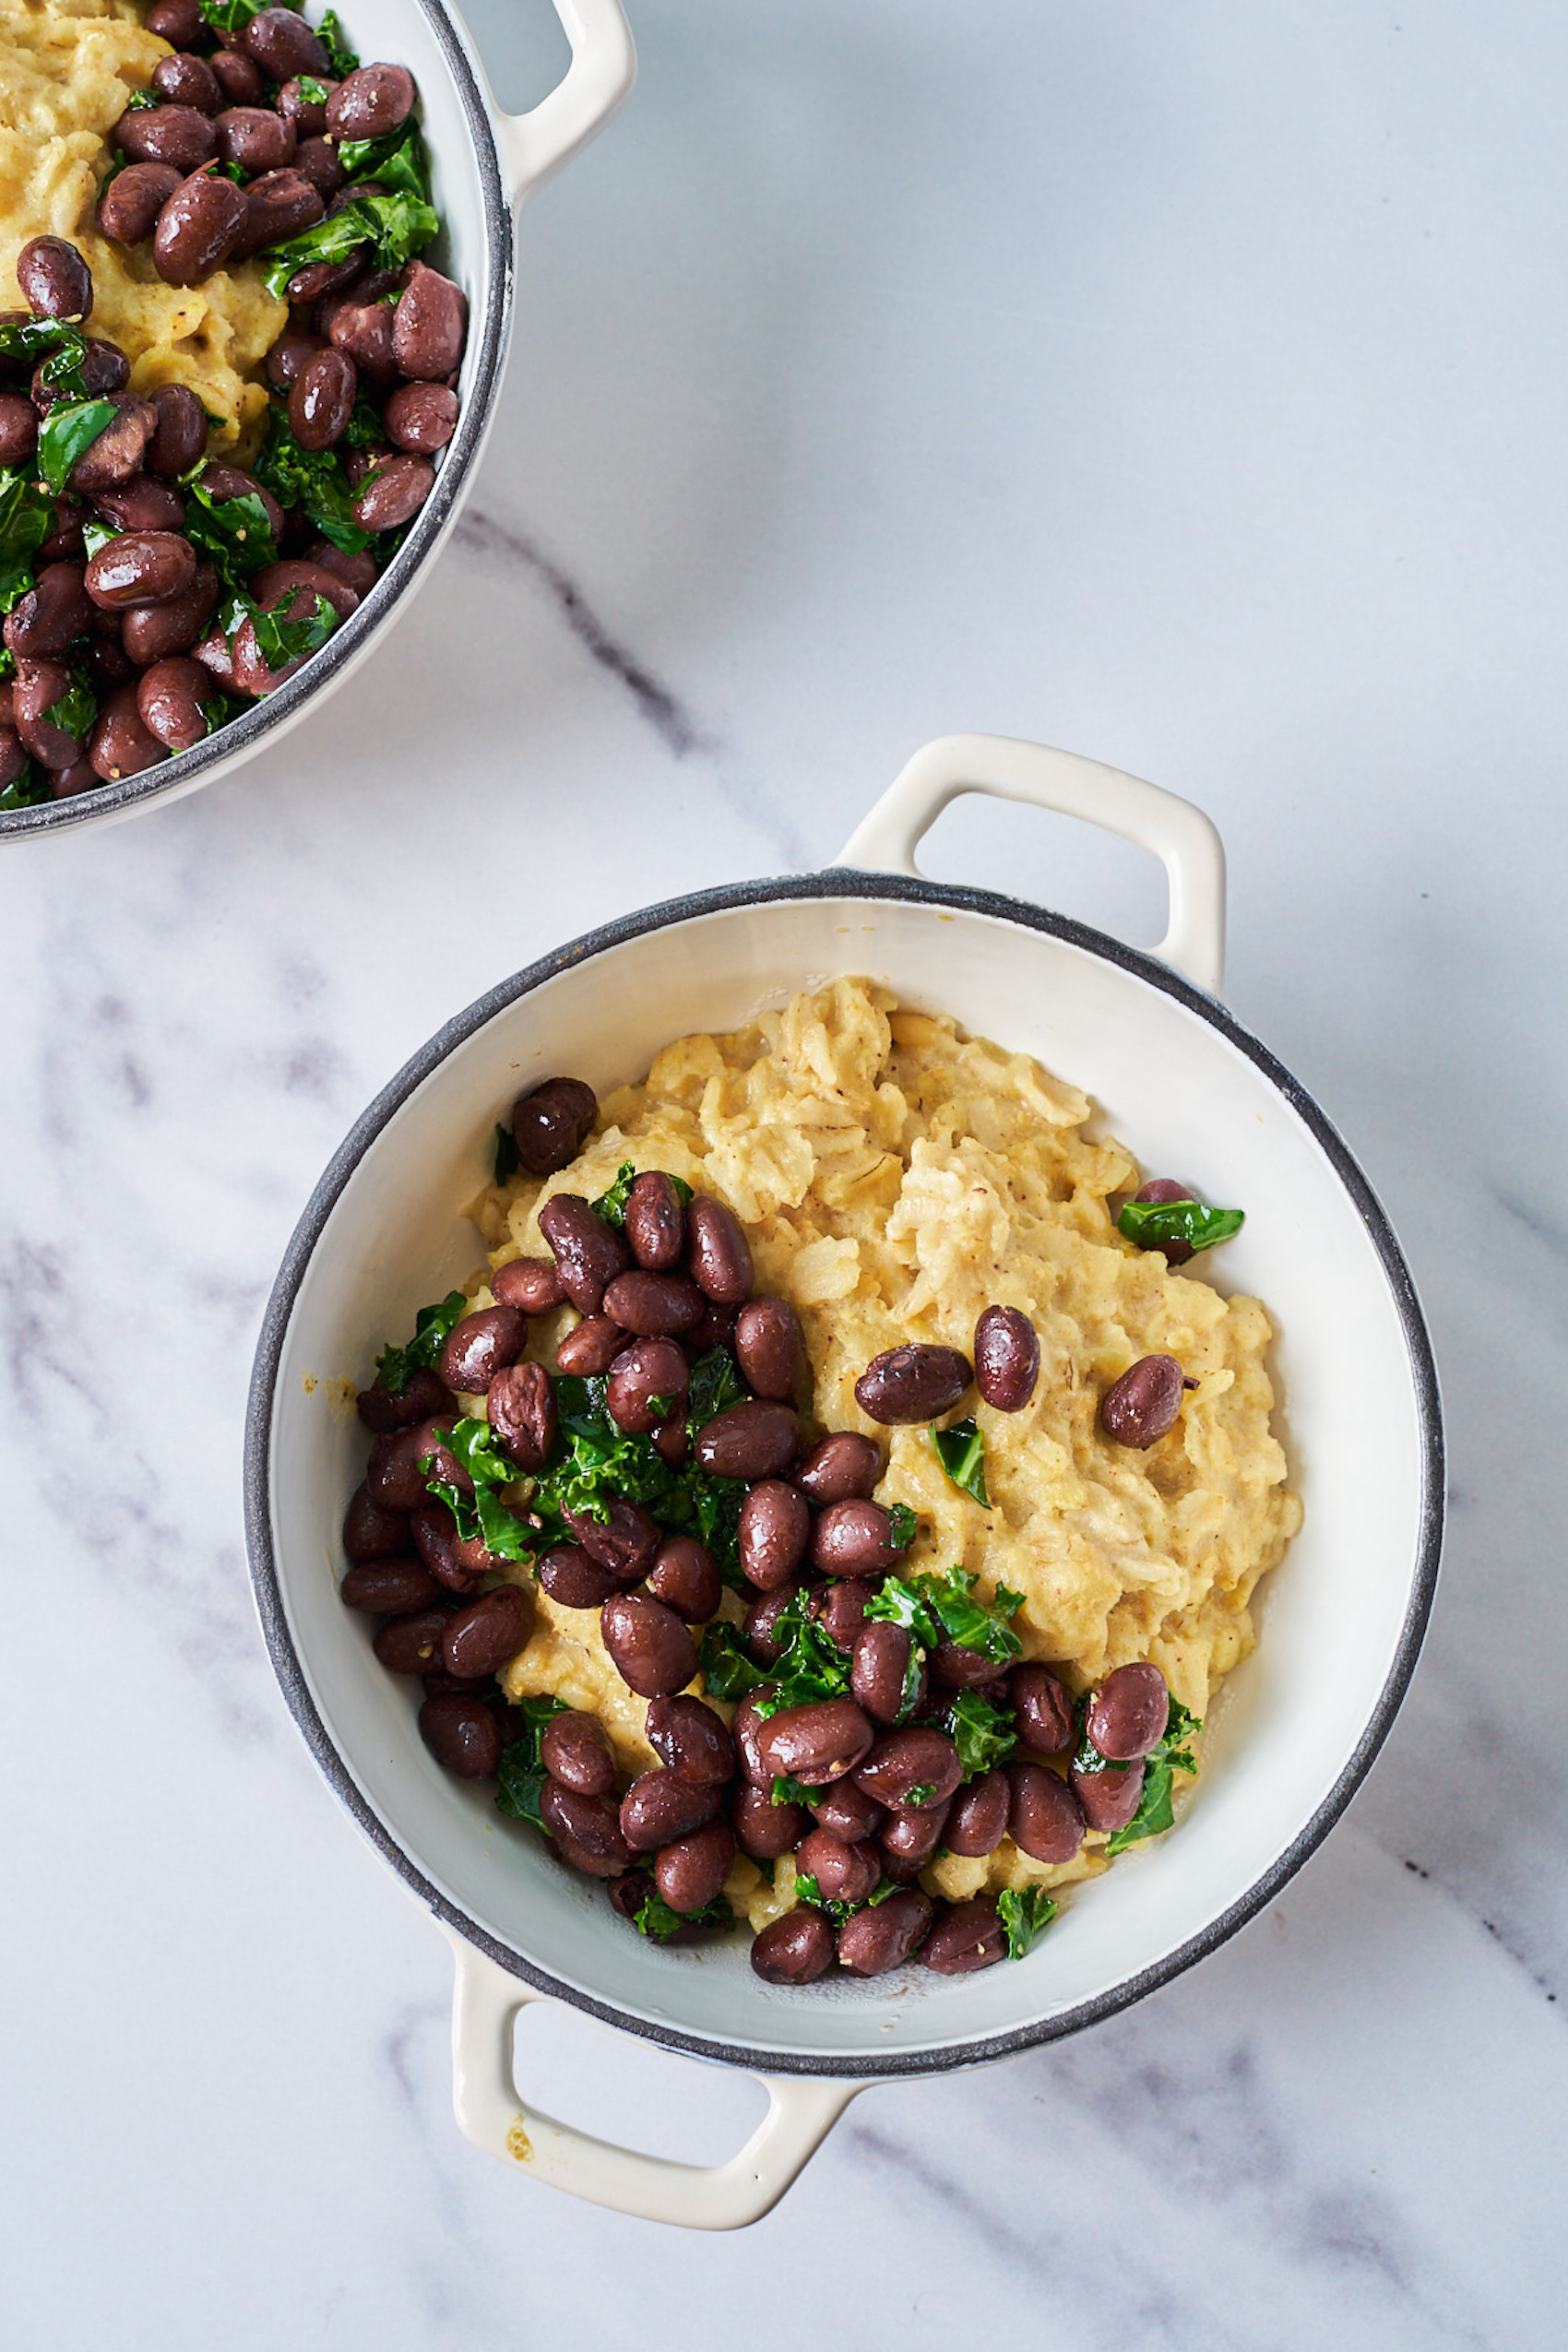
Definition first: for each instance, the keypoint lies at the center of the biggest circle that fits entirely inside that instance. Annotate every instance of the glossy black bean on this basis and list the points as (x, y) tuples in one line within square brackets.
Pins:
[(55, 610), (759, 1627), (104, 371), (233, 482), (656, 1306), (394, 495), (172, 699), (186, 80), (1108, 1799), (1043, 1814), (481, 1638), (746, 1730), (140, 567), (590, 1346), (121, 743), (318, 280), (178, 134), (955, 1668), (430, 325), (143, 503), (761, 1827), (842, 1467), (459, 1561), (393, 1587), (255, 137), (840, 1607), (772, 1532), (651, 1648), (55, 279), (129, 207), (370, 1531), (718, 1257), (479, 1345), (1164, 1188), (421, 1396), (37, 694), (915, 1383), (574, 1749), (297, 101), (360, 325), (569, 1576), (155, 631), (1128, 1713), (690, 1738), (793, 1950), (770, 1348), (625, 1542), (967, 1937), (662, 1805), (685, 1578), (1006, 1359), (198, 227), (910, 1768), (238, 77), (587, 1252), (282, 44), (690, 1872), (814, 1743), (520, 1404), (280, 205), (180, 435), (371, 101), (656, 1223), (880, 1669), (461, 1733), (872, 1942), (910, 1836), (79, 778), (847, 1812), (411, 1645), (118, 453), (588, 1826), (629, 1892), (853, 1539), (316, 160), (179, 22), (1143, 1405), (757, 1440), (978, 1821), (1043, 1709), (844, 1873), (18, 429), (533, 1285), (646, 1385)]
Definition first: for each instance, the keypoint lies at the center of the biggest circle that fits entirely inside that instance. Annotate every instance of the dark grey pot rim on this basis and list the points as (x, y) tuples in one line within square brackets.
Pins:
[(841, 882), (487, 351)]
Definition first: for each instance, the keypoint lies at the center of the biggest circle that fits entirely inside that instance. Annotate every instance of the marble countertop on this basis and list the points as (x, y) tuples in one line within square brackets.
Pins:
[(1183, 386)]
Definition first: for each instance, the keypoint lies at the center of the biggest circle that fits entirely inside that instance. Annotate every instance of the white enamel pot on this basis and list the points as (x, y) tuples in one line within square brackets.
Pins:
[(483, 164), (1185, 1086)]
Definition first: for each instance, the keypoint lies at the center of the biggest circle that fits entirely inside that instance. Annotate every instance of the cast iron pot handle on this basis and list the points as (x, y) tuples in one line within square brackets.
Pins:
[(802, 2110), (603, 68), (1180, 835)]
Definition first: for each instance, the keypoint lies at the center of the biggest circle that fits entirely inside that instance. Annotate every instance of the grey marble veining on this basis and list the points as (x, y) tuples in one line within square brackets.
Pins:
[(1181, 386)]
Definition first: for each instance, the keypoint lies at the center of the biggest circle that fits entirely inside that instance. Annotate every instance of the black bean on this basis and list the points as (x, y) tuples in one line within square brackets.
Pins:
[(480, 1639), (880, 1668), (278, 206), (282, 44), (459, 1561), (759, 1627), (955, 1668), (844, 1873), (140, 567), (411, 1645), (872, 1942), (590, 1346), (757, 1440), (842, 1467), (718, 1253), (655, 1221), (761, 1827), (40, 687), (746, 1729), (188, 80), (814, 1743), (316, 160), (1142, 1406), (853, 1539), (574, 1749), (686, 1578), (978, 1821), (625, 1542), (1128, 1713), (1006, 1359), (690, 1738), (847, 1810), (587, 1254), (180, 435), (172, 698), (429, 325), (198, 227), (661, 1805), (421, 1396), (55, 279), (793, 1950), (774, 1525), (628, 1893), (656, 1306), (121, 744), (912, 1768), (588, 1826), (1043, 1814), (238, 78), (18, 429), (360, 327), (915, 1383), (970, 1936), (646, 1385), (177, 134), (143, 503), (910, 1835), (297, 101), (1043, 1708), (153, 632), (521, 1407), (179, 22), (569, 1576), (393, 1588), (771, 1349), (370, 1532), (690, 1872), (104, 371), (371, 101), (460, 1733), (840, 1607), (533, 1284), (79, 778), (55, 610), (1108, 1799), (479, 1345), (130, 205), (394, 495), (650, 1646), (118, 450), (233, 482)]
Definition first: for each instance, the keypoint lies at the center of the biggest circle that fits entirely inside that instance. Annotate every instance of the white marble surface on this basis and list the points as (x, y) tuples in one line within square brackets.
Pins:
[(1182, 385)]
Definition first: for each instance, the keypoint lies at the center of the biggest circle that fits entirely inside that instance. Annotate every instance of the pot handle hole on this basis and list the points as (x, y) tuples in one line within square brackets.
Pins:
[(801, 2111), (597, 80), (1180, 835)]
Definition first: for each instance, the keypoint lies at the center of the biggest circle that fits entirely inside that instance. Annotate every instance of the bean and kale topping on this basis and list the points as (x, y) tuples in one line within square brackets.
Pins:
[(884, 1717)]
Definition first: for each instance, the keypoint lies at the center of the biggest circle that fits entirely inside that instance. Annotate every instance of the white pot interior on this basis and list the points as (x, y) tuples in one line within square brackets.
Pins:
[(1182, 1094)]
